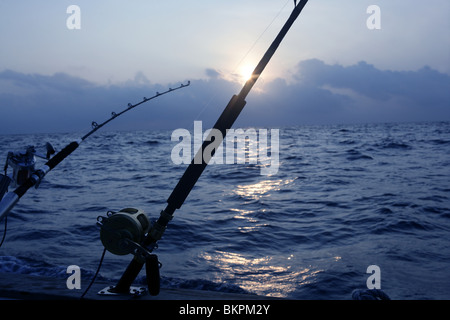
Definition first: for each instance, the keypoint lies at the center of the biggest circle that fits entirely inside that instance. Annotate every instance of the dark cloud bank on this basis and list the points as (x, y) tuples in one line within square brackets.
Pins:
[(317, 93)]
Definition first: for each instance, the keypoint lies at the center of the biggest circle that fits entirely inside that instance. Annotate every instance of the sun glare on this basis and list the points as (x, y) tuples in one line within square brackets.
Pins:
[(246, 72)]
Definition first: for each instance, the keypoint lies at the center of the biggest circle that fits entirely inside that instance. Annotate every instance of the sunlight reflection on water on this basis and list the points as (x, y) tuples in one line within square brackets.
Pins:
[(258, 190), (260, 275)]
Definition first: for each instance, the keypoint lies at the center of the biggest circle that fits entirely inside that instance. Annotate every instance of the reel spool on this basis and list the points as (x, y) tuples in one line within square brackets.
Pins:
[(121, 233), (22, 165)]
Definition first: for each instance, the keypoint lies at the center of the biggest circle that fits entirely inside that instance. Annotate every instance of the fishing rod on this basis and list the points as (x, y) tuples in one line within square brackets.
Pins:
[(23, 164), (154, 232)]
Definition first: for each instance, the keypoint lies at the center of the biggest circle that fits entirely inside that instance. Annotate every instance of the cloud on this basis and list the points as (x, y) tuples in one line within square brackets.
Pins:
[(211, 73), (318, 93), (365, 79), (62, 103), (322, 93)]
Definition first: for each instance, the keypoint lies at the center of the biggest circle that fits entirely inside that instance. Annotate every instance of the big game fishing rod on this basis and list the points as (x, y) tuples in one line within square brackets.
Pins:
[(193, 171), (35, 177)]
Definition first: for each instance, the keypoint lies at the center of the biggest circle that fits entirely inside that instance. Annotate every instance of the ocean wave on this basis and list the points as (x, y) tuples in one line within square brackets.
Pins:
[(372, 194), (392, 144), (353, 155), (17, 265)]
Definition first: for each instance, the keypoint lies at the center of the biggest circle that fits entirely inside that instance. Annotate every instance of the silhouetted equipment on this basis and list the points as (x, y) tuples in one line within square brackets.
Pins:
[(25, 176), (193, 171), (121, 233)]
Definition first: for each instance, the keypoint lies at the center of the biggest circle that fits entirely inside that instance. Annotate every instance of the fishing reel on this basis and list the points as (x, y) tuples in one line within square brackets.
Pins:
[(23, 163), (23, 167), (122, 233)]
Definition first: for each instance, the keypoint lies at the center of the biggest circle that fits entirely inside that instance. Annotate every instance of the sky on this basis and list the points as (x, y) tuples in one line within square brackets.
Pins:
[(330, 68)]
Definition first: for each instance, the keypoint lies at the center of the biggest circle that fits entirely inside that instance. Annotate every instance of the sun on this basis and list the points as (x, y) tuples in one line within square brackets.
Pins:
[(246, 72)]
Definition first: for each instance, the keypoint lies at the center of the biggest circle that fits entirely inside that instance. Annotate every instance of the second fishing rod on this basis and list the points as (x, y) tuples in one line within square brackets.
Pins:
[(34, 177)]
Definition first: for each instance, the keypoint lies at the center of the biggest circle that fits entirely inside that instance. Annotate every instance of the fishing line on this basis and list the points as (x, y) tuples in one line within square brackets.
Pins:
[(95, 275), (193, 172), (213, 98), (260, 36)]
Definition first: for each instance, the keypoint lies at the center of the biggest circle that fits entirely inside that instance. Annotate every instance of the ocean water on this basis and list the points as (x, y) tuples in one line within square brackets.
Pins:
[(345, 197)]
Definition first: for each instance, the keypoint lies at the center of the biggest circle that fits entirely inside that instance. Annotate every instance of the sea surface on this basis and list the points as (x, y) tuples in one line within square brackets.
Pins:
[(345, 197)]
